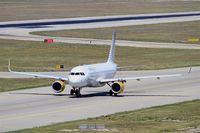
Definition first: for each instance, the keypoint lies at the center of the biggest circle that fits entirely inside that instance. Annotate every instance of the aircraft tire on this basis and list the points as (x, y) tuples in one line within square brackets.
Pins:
[(77, 93), (72, 92), (110, 92)]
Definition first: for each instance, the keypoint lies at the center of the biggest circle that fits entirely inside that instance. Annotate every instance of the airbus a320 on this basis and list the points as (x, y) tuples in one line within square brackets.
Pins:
[(93, 75)]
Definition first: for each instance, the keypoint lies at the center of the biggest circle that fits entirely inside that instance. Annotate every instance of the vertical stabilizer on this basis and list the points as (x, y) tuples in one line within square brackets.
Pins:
[(111, 57)]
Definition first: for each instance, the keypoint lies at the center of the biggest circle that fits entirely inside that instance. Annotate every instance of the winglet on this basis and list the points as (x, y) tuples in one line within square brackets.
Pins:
[(111, 56), (190, 70), (9, 66)]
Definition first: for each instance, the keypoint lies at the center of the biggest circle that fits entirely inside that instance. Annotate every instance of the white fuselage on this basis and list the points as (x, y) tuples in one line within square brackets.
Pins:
[(90, 75)]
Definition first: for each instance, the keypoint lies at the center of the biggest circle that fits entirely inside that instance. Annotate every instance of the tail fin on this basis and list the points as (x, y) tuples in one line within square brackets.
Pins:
[(111, 57)]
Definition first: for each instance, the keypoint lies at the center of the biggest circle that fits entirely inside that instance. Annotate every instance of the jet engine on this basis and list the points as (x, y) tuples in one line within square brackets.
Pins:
[(117, 87), (58, 86)]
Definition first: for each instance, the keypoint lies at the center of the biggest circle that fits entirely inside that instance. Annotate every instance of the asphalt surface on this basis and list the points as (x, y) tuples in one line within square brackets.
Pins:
[(40, 106), (19, 30)]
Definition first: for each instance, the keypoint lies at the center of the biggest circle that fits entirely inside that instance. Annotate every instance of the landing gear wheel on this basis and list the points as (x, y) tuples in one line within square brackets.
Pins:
[(77, 92), (72, 92), (115, 94), (111, 92)]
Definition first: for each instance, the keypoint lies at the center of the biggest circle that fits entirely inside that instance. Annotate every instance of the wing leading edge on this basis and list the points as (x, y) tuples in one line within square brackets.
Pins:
[(138, 78), (37, 75)]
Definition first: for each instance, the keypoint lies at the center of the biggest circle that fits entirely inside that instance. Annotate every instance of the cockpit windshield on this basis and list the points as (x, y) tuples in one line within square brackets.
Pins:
[(71, 73), (77, 73)]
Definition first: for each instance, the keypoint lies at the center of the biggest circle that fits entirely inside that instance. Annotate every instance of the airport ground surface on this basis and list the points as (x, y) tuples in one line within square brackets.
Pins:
[(78, 11), (19, 30), (40, 106)]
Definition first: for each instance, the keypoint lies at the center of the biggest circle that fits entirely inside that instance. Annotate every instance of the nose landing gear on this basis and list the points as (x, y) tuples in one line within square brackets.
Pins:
[(76, 92)]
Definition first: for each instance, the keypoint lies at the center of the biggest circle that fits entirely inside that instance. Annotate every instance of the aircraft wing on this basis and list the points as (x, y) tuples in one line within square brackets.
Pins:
[(138, 78), (37, 75), (40, 75), (128, 67)]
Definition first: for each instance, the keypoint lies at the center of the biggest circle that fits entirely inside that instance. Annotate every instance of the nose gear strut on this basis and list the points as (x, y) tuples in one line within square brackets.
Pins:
[(76, 91)]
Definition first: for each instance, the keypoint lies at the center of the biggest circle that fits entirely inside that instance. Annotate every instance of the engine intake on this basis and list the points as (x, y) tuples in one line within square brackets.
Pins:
[(58, 86), (118, 87)]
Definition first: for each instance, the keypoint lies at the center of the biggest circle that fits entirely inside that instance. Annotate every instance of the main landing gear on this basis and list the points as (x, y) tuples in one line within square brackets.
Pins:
[(112, 93), (76, 92)]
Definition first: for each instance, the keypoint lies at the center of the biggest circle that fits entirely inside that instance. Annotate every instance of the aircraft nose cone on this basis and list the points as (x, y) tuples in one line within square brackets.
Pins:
[(77, 82), (74, 82)]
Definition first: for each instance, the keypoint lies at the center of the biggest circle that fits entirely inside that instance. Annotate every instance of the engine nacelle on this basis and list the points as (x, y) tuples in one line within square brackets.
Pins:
[(58, 86), (117, 87)]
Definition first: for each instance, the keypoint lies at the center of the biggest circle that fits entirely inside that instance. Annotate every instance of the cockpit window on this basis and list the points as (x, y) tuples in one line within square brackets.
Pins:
[(82, 74), (77, 73), (71, 73)]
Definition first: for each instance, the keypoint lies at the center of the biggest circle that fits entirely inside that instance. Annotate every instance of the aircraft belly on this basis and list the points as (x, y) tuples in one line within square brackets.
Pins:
[(93, 80), (94, 83)]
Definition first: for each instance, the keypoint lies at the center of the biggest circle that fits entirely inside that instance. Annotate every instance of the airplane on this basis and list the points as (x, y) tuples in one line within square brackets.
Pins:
[(93, 75)]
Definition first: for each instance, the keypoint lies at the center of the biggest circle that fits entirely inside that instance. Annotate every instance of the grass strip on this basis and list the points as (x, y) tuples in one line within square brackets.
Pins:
[(39, 56), (170, 32), (18, 84), (43, 9)]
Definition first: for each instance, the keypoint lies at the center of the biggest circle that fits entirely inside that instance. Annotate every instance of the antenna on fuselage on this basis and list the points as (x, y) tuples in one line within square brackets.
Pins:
[(111, 57)]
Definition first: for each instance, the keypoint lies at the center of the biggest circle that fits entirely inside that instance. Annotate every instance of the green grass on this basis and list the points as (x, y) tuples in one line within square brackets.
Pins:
[(170, 32), (17, 84), (38, 56), (42, 9), (162, 119)]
